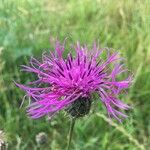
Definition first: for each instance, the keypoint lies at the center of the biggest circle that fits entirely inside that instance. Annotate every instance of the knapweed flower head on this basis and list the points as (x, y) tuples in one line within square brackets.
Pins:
[(68, 83)]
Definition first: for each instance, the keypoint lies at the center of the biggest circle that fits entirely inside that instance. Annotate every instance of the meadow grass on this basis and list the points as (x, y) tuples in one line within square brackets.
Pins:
[(25, 30)]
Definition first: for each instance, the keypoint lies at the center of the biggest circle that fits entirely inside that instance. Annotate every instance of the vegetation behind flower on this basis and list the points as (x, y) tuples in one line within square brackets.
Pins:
[(123, 25)]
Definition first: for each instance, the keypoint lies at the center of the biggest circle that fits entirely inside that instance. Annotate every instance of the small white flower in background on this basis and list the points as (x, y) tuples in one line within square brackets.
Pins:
[(3, 142), (41, 138)]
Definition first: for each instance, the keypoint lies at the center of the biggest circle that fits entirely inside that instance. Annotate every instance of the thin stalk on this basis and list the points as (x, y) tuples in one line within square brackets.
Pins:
[(70, 132)]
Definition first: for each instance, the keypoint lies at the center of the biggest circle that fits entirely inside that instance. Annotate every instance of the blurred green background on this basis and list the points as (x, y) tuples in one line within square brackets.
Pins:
[(25, 30)]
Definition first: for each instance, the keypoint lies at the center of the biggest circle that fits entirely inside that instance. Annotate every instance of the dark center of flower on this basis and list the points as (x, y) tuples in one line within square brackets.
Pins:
[(80, 107)]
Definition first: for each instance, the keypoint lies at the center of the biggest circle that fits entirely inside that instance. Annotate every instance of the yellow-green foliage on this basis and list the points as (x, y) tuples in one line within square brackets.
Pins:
[(1, 67)]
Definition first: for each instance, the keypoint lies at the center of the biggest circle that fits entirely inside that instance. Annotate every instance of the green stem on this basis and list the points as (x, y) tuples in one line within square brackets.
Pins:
[(71, 132)]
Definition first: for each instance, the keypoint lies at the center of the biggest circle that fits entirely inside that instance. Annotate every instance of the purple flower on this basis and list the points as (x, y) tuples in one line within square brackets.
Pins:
[(62, 82)]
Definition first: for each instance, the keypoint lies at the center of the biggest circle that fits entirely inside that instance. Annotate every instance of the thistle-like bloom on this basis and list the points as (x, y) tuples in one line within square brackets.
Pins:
[(68, 83)]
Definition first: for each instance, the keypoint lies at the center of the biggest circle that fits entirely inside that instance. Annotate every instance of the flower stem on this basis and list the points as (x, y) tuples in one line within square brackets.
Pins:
[(70, 132)]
